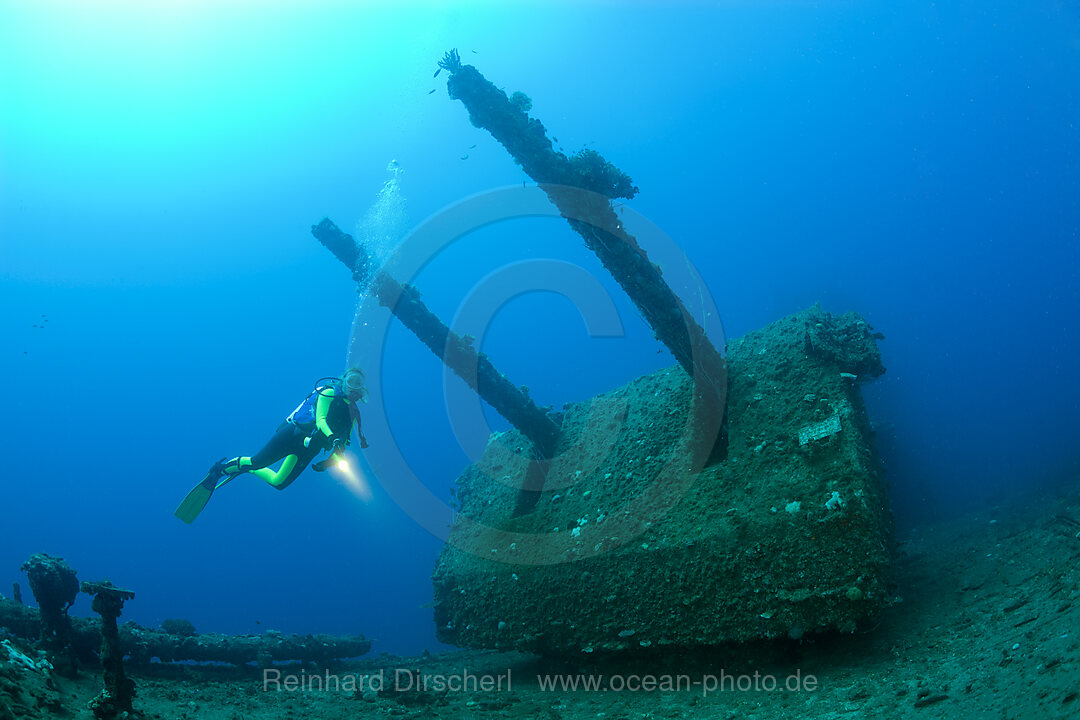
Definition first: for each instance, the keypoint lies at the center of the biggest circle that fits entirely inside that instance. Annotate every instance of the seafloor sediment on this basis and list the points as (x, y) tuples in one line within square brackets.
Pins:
[(987, 628)]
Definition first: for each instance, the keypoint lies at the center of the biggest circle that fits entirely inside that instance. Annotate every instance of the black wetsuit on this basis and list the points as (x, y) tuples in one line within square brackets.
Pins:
[(289, 440)]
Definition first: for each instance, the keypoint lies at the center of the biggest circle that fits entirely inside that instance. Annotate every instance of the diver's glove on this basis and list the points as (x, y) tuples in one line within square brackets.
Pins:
[(336, 449)]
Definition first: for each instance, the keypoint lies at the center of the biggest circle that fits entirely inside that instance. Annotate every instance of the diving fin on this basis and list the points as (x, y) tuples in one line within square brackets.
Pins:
[(194, 503), (196, 500)]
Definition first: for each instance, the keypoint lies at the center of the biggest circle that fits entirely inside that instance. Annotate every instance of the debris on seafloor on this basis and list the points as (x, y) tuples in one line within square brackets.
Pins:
[(115, 698), (179, 643), (27, 686), (816, 431), (54, 585)]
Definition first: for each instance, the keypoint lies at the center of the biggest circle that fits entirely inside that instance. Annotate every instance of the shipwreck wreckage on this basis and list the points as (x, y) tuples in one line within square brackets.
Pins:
[(722, 499)]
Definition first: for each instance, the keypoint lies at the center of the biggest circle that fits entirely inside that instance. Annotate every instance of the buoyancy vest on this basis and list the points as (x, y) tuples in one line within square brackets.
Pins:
[(339, 417)]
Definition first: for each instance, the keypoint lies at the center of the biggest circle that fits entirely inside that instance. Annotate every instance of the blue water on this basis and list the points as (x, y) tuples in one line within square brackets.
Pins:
[(162, 164)]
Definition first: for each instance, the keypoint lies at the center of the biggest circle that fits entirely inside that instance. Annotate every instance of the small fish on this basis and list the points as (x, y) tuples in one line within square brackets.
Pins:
[(475, 53), (431, 91), (437, 73), (471, 147), (465, 156)]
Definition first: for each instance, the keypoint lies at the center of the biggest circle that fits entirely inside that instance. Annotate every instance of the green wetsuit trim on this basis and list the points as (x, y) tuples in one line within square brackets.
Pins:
[(322, 410), (275, 478)]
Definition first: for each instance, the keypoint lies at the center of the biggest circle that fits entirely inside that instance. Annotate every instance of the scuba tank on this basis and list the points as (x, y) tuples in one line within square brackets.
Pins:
[(303, 416)]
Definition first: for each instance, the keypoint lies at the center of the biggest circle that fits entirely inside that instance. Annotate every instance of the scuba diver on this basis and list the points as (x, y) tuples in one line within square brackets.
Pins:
[(323, 421)]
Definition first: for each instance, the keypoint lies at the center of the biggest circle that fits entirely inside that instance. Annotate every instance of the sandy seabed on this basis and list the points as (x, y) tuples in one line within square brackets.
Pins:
[(989, 627)]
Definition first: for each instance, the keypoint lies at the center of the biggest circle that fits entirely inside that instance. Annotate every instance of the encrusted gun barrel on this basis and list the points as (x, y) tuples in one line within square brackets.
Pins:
[(141, 645), (581, 187), (458, 353)]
